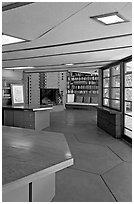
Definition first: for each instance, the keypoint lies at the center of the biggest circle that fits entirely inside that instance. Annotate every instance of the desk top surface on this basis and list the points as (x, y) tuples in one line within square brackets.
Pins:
[(29, 107), (26, 152)]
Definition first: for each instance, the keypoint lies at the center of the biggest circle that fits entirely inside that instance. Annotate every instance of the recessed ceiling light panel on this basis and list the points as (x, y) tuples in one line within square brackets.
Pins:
[(110, 18), (6, 39), (69, 64), (21, 68)]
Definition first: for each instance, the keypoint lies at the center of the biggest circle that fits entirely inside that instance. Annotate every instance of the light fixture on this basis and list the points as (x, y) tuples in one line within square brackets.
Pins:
[(17, 68), (6, 39), (69, 64), (110, 18)]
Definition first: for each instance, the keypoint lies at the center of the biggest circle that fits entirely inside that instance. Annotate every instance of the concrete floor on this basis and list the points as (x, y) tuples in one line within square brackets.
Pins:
[(102, 170)]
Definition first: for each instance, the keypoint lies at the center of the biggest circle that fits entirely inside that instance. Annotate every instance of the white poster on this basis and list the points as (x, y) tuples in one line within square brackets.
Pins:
[(17, 94)]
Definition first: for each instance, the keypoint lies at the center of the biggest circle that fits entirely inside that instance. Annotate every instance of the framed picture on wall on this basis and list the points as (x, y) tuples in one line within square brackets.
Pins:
[(17, 94)]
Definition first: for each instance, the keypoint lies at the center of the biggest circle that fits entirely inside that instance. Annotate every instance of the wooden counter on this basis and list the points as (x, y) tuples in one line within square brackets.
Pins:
[(30, 160), (31, 117), (110, 121)]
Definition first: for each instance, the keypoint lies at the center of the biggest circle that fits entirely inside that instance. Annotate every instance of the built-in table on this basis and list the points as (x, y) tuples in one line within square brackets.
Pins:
[(30, 160)]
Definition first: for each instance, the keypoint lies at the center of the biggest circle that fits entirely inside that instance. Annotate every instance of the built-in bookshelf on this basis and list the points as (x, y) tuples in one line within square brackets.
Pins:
[(83, 87), (6, 93)]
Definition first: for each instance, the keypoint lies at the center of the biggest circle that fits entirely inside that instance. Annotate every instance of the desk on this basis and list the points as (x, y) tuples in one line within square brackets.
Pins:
[(30, 160), (27, 116)]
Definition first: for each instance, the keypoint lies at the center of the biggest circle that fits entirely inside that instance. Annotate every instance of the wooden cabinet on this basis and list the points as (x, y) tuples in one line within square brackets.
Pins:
[(6, 95), (18, 118), (8, 116), (26, 118), (110, 121), (29, 119)]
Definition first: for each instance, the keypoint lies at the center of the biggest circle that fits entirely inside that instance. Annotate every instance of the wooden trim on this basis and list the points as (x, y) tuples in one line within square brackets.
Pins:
[(74, 64), (128, 115), (127, 139), (126, 59), (128, 129), (69, 43), (71, 53), (15, 5)]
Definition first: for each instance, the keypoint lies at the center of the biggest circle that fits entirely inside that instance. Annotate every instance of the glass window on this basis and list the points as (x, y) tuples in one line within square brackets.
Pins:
[(128, 94), (115, 93), (111, 87), (106, 93), (128, 80), (128, 108), (106, 73), (115, 70), (128, 122), (128, 67), (115, 81), (128, 132), (106, 82), (115, 104), (106, 101), (128, 99)]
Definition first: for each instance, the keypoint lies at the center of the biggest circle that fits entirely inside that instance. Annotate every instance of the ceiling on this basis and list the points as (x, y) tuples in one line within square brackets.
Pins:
[(58, 33)]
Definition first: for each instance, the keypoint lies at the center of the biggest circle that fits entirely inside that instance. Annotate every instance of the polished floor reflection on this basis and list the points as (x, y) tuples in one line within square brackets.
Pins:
[(102, 171)]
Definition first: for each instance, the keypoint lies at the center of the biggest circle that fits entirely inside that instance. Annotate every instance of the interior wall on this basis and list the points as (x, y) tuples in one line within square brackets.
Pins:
[(12, 74)]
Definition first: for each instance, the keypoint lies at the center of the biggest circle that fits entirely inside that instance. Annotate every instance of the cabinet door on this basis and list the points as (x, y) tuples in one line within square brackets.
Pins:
[(8, 117), (18, 118), (29, 119)]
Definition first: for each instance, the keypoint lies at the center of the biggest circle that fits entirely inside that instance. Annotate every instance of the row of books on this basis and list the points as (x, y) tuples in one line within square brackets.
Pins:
[(87, 87), (88, 78), (82, 92)]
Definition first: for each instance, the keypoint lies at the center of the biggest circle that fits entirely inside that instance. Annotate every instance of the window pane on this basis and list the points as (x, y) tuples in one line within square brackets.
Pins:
[(128, 67), (128, 94), (128, 80), (128, 133), (106, 82), (128, 108), (106, 101), (106, 93), (106, 73), (115, 81), (115, 93), (115, 70), (115, 104), (128, 122)]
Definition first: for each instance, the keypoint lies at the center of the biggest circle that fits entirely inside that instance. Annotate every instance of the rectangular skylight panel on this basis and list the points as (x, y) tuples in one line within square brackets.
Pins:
[(111, 19), (9, 40), (17, 68)]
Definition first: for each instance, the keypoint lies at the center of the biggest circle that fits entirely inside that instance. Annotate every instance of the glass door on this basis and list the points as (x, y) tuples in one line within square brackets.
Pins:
[(128, 100)]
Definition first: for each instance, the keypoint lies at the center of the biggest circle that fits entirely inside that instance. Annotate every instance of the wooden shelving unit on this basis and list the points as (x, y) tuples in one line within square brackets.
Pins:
[(6, 93), (83, 86)]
